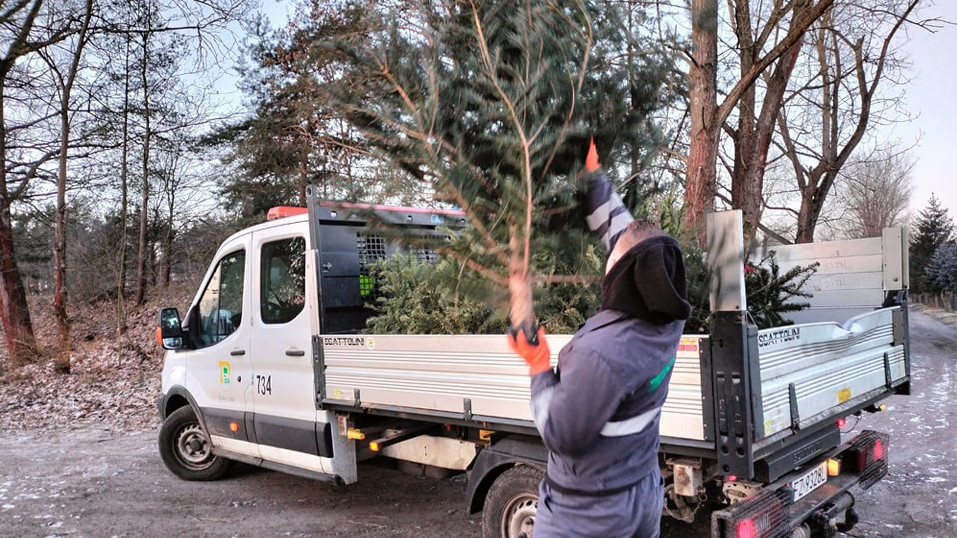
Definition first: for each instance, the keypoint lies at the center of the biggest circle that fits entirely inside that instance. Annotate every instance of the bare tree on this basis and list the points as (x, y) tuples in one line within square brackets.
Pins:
[(181, 189), (45, 56), (826, 117), (147, 87), (757, 52), (26, 28), (124, 186), (876, 191), (165, 50), (64, 78)]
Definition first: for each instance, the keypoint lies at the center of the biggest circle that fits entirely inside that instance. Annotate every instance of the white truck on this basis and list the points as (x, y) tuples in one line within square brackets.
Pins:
[(273, 365)]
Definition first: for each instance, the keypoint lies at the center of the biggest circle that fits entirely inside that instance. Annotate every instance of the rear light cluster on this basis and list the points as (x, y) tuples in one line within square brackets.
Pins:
[(867, 455), (763, 515)]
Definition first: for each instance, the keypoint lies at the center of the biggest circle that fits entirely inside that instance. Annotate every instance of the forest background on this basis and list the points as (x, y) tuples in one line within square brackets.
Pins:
[(122, 165)]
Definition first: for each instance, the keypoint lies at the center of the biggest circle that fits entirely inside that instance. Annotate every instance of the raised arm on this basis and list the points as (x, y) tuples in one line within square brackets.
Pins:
[(607, 216)]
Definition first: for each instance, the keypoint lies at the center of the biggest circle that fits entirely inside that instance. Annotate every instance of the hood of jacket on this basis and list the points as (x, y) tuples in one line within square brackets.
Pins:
[(649, 282)]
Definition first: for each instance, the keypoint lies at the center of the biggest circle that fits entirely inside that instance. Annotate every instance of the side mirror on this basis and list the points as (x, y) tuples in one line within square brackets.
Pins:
[(170, 329)]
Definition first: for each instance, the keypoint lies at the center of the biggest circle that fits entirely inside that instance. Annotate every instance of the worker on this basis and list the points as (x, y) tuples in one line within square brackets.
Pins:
[(599, 412)]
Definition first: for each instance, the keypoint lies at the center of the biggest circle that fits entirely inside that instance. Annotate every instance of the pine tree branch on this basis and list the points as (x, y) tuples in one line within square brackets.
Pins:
[(526, 240), (486, 272), (566, 279)]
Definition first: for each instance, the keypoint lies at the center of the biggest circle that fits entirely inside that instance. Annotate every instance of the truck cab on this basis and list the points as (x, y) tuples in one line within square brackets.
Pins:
[(244, 358)]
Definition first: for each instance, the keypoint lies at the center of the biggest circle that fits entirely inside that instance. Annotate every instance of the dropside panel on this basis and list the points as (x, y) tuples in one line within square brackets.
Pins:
[(812, 371), (473, 377), (468, 376), (852, 276)]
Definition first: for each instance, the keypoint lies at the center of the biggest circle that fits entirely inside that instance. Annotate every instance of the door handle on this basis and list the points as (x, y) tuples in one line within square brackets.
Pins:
[(295, 353), (237, 352)]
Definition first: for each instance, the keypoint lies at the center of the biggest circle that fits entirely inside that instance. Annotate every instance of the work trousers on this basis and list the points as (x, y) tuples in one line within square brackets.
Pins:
[(631, 513)]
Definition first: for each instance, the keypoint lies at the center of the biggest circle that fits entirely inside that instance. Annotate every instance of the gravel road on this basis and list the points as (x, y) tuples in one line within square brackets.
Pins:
[(94, 482)]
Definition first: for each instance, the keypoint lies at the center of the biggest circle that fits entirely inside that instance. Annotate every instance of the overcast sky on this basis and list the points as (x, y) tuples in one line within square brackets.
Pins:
[(931, 99)]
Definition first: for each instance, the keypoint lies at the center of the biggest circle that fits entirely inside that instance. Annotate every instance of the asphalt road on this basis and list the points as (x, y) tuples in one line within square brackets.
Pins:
[(99, 483)]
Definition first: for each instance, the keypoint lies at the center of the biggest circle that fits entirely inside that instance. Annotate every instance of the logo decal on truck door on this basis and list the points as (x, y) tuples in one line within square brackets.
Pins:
[(224, 373)]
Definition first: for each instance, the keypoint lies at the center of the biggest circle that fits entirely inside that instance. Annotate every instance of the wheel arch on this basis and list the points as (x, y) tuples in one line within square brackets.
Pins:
[(177, 397), (185, 447), (503, 455)]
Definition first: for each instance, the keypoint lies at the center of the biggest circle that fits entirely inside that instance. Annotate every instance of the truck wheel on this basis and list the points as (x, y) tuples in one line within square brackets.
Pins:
[(186, 450), (511, 504)]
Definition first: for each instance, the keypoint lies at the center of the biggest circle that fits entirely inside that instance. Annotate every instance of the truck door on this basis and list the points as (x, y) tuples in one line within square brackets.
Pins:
[(281, 349), (217, 365)]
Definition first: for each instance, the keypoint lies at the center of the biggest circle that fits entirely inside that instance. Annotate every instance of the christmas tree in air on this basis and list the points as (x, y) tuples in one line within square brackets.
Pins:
[(492, 105)]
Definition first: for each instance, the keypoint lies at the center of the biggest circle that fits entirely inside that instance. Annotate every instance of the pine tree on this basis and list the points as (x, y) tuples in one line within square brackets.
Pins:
[(941, 271), (293, 137), (491, 105), (934, 228), (771, 295)]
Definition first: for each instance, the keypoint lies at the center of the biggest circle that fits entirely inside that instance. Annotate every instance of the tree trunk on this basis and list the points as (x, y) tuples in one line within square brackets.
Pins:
[(124, 210), (143, 256), (812, 203), (747, 191), (521, 308), (742, 188), (62, 361), (701, 174), (806, 221), (166, 273), (14, 312), (303, 175)]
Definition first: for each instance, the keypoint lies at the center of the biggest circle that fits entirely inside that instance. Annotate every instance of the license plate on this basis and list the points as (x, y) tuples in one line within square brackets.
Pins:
[(809, 481)]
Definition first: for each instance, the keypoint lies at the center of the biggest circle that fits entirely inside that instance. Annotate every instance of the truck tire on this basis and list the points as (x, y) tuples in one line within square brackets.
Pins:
[(186, 450), (511, 503)]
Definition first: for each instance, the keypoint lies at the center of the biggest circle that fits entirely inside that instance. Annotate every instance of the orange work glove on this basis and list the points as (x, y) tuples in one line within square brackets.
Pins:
[(591, 160), (536, 355)]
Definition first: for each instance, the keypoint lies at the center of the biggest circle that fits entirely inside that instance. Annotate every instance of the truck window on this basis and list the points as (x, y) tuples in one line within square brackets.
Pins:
[(373, 248), (282, 280), (221, 305)]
